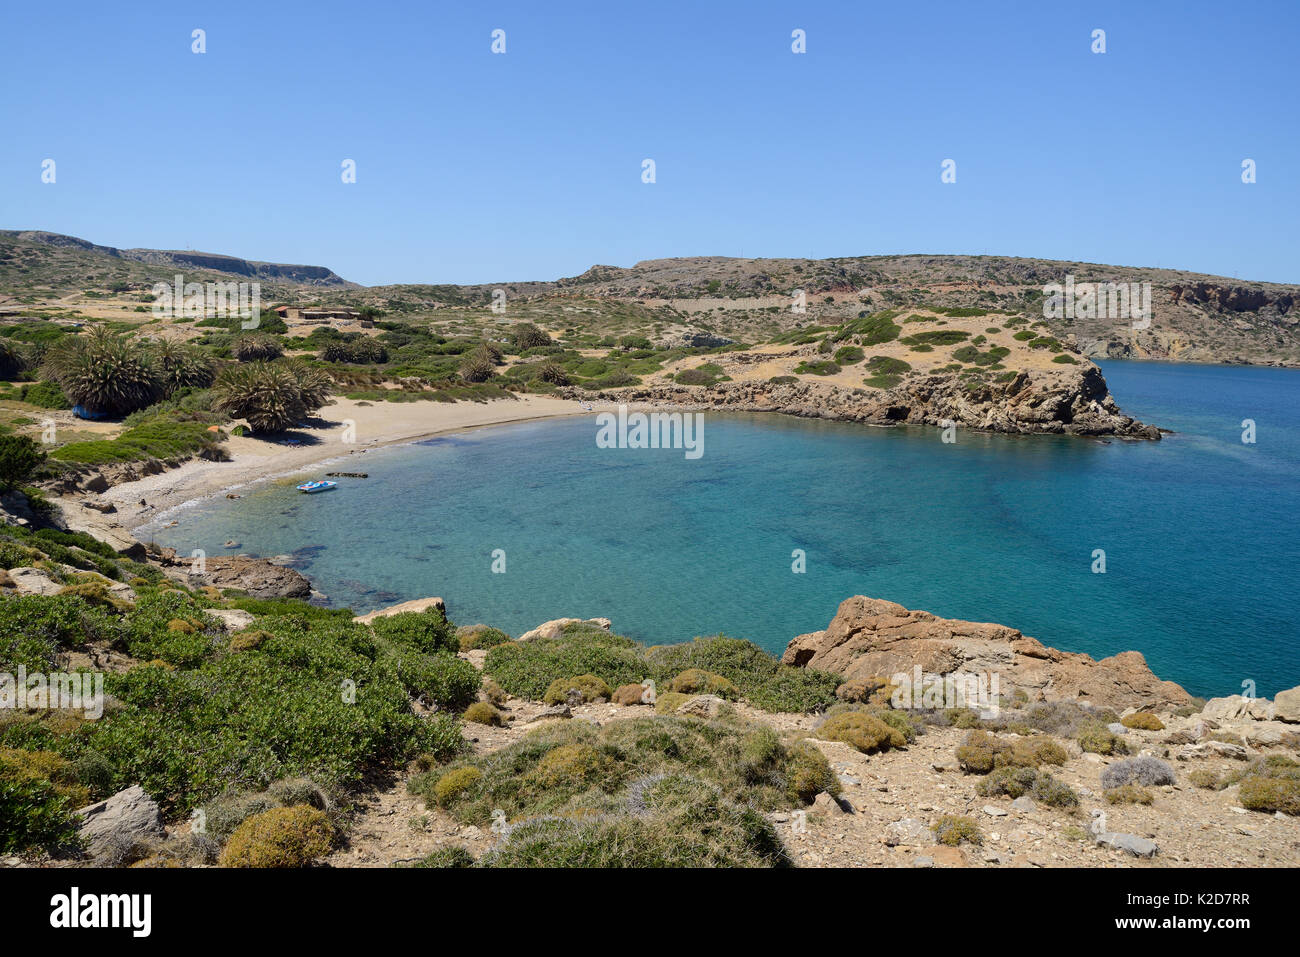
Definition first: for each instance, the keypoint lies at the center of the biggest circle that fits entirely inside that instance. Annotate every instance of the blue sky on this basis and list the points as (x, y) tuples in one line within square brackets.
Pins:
[(475, 167)]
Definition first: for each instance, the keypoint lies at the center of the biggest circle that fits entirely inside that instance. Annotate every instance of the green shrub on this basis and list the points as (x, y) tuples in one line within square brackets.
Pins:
[(470, 637), (953, 830), (808, 773), (39, 791), (687, 824), (455, 784), (1204, 778), (280, 837), (327, 704), (1142, 721), (695, 681), (1011, 781), (848, 355), (445, 681), (589, 687), (527, 669), (427, 632), (1047, 790), (20, 457), (817, 367), (863, 731), (667, 702), (481, 712), (1272, 784), (1098, 739), (1129, 794)]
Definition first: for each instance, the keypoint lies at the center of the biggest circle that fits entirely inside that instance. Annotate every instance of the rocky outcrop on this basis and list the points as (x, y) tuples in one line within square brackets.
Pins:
[(416, 605), (1286, 706), (870, 637), (120, 829), (553, 628), (257, 577), (1068, 402)]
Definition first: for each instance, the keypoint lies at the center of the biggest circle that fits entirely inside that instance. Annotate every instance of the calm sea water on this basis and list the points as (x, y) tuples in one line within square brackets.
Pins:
[(1199, 530)]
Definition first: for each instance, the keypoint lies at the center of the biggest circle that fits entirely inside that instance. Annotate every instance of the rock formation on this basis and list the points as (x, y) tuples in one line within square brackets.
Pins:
[(870, 638), (1072, 401)]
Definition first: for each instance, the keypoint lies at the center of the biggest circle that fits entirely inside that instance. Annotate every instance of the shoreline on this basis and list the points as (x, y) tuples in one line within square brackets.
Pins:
[(254, 461)]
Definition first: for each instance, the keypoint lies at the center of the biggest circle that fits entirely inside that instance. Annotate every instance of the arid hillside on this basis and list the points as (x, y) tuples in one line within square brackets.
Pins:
[(1193, 317)]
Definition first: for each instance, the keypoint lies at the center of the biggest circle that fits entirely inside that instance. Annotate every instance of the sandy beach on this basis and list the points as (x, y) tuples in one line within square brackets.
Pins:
[(343, 433)]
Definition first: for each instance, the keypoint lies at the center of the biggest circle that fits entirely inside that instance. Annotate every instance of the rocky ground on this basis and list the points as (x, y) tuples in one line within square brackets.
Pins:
[(890, 800)]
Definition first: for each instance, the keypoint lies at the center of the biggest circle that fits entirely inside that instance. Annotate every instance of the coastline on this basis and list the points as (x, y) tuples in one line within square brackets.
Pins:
[(254, 460)]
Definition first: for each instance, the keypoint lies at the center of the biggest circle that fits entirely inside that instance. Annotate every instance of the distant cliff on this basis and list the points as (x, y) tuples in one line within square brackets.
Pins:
[(182, 259)]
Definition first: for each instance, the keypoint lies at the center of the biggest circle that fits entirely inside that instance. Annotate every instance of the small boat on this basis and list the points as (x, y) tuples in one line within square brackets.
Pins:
[(312, 487)]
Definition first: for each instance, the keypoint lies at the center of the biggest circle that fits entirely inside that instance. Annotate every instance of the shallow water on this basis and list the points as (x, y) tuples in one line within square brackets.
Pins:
[(1199, 531)]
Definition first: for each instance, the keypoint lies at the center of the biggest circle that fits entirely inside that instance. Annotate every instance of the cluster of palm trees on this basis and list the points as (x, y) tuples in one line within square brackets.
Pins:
[(107, 374)]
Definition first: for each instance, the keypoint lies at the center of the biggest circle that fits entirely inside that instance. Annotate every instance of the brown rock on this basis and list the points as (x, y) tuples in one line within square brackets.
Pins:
[(256, 576), (555, 627), (870, 637), (416, 604)]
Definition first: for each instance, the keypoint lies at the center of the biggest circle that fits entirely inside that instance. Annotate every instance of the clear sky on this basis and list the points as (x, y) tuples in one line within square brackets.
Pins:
[(482, 167)]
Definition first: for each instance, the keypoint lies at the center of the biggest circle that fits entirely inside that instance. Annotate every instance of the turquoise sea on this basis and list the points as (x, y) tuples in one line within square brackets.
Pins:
[(1199, 531)]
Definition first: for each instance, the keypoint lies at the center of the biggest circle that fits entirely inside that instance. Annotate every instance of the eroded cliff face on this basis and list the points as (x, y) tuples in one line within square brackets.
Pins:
[(872, 638), (1073, 401)]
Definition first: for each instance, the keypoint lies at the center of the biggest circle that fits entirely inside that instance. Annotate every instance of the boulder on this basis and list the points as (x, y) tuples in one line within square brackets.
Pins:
[(826, 804), (120, 829), (416, 605), (257, 577), (1129, 843), (907, 831), (553, 628), (33, 581), (1217, 749), (1231, 708), (702, 706), (872, 638), (233, 619), (1286, 705)]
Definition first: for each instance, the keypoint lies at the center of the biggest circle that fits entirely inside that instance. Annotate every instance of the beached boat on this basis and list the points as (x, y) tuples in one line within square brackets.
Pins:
[(311, 487)]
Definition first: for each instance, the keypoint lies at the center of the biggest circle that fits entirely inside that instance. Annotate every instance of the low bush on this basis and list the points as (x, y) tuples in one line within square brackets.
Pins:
[(481, 712), (1129, 794), (1144, 770), (471, 637), (1142, 721), (1098, 739), (1272, 785), (428, 632), (589, 689), (694, 681), (455, 784), (861, 730), (953, 830), (280, 837), (39, 791)]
